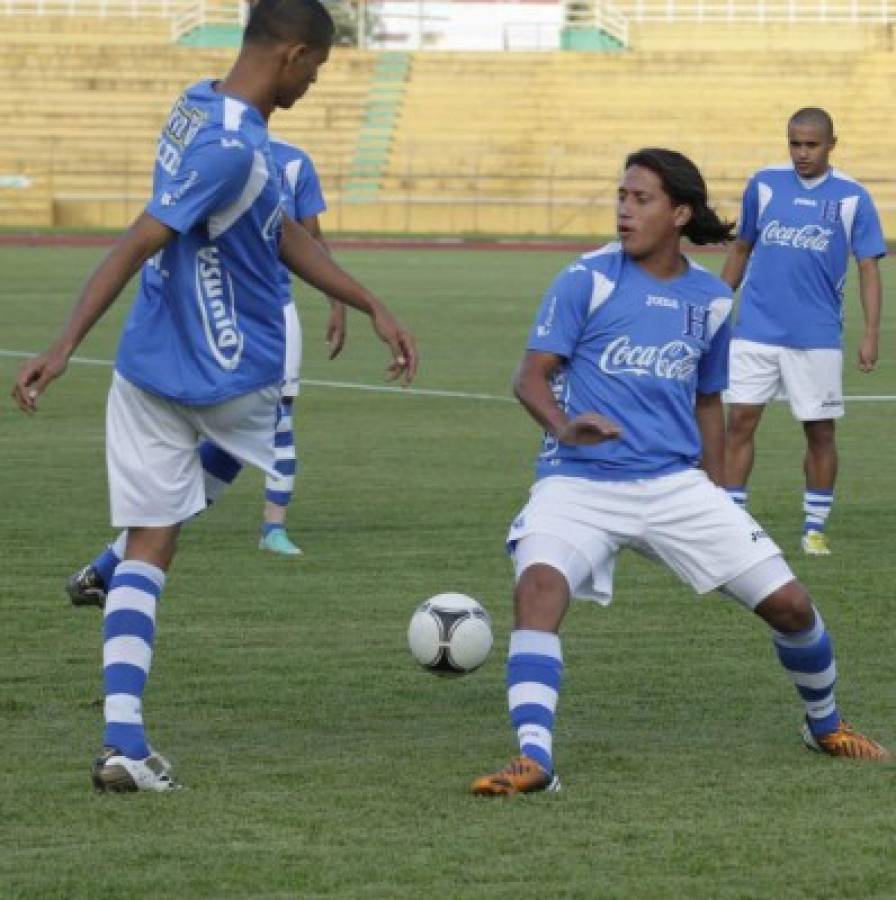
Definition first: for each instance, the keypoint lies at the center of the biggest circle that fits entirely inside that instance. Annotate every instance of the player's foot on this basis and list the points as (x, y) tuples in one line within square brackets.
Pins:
[(115, 772), (521, 776), (277, 541), (815, 543), (847, 743), (86, 588)]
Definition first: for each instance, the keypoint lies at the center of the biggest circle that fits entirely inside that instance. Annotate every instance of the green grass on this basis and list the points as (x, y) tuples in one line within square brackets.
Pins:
[(321, 762)]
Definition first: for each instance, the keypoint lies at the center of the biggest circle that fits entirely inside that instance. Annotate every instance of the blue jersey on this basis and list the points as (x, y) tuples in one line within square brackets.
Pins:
[(635, 350), (802, 234), (207, 322), (302, 194)]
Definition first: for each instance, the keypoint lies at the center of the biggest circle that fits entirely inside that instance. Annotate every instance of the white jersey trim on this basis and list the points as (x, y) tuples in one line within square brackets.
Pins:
[(233, 114), (258, 177)]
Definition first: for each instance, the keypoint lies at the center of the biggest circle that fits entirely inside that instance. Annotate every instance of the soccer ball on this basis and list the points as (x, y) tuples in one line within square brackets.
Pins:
[(450, 634)]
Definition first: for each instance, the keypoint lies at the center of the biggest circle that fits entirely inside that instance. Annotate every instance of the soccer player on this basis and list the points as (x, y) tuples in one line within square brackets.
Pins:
[(303, 201), (623, 369), (202, 350), (798, 226)]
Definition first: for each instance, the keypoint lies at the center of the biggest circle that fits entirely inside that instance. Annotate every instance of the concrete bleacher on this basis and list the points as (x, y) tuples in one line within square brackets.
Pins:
[(501, 142), (81, 121)]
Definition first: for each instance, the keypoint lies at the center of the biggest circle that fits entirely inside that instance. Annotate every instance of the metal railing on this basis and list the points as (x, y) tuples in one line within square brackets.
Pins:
[(759, 11)]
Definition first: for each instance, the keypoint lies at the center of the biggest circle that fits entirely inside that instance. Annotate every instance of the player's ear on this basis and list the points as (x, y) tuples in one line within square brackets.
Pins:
[(296, 54), (681, 215)]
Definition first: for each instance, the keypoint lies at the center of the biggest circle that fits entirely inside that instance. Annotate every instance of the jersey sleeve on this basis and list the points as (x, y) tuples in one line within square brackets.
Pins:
[(309, 196), (211, 176), (867, 239), (561, 317), (749, 213), (712, 370)]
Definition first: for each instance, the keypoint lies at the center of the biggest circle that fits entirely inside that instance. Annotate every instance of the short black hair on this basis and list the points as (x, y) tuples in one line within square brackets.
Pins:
[(685, 186), (813, 115), (304, 21)]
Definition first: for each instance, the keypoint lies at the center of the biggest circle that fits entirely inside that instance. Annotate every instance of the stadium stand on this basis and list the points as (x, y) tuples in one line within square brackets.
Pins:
[(513, 143)]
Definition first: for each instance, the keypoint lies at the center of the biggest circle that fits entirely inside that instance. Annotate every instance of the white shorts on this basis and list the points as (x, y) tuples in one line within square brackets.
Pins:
[(812, 380), (683, 520), (152, 449), (292, 359)]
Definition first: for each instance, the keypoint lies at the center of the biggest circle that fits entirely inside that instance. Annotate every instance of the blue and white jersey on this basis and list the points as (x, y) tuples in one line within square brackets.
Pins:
[(635, 350), (207, 322), (802, 233), (302, 193)]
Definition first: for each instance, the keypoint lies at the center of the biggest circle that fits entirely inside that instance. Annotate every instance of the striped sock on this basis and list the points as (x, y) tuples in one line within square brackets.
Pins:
[(816, 507), (534, 676), (107, 562), (128, 631), (219, 469), (808, 657), (738, 493), (279, 490)]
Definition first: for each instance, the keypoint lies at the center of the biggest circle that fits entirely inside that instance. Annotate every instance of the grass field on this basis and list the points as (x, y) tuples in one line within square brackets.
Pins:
[(320, 761)]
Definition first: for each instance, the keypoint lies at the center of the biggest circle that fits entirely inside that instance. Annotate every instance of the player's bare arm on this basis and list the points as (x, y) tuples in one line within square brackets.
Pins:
[(302, 254), (711, 422), (143, 239), (871, 297), (336, 323), (532, 387), (736, 263)]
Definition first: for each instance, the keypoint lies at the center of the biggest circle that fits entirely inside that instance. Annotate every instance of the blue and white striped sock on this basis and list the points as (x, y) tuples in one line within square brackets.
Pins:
[(738, 493), (128, 632), (107, 562), (816, 507), (279, 490), (219, 469), (534, 677), (808, 657)]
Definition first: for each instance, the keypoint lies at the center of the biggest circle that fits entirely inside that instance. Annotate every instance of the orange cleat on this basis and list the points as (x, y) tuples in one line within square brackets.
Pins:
[(846, 743), (520, 776)]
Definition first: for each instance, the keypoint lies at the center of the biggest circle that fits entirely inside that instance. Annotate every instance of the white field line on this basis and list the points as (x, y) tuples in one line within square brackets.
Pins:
[(391, 389)]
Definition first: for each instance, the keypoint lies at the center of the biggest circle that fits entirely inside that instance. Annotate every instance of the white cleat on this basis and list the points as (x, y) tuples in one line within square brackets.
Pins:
[(115, 772)]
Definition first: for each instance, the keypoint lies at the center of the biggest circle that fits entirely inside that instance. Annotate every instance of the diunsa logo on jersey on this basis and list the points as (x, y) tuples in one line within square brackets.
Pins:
[(214, 293)]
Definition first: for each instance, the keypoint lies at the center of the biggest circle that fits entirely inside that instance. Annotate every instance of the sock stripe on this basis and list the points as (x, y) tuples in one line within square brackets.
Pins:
[(532, 714), (532, 692), (135, 601), (280, 498), (124, 678), (125, 622), (123, 709), (127, 649)]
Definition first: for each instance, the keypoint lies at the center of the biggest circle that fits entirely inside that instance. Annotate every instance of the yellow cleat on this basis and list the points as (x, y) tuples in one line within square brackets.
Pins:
[(846, 743), (815, 543), (521, 776)]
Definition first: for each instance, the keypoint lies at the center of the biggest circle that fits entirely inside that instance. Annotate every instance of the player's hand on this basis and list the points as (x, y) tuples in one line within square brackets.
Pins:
[(34, 376), (868, 354), (336, 329), (589, 428), (401, 343)]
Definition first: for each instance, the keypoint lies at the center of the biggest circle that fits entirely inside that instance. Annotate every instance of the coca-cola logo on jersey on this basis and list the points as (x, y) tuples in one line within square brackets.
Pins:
[(675, 360), (804, 237)]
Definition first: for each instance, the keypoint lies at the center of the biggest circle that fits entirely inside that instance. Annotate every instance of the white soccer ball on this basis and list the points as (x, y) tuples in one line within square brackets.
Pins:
[(450, 634)]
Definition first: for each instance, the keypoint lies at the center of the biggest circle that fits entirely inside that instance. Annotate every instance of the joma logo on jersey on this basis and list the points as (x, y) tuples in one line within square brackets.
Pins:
[(667, 302), (183, 123), (214, 293)]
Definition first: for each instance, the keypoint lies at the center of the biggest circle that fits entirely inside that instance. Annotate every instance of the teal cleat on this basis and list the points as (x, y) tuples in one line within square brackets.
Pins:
[(277, 541)]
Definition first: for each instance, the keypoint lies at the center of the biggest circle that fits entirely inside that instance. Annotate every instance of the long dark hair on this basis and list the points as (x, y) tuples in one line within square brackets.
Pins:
[(306, 21), (684, 184)]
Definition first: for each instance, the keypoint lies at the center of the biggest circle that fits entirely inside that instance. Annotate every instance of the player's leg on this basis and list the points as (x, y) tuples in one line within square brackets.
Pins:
[(740, 452), (814, 384), (279, 488), (89, 585), (805, 650), (534, 674), (754, 379), (820, 466), (153, 485)]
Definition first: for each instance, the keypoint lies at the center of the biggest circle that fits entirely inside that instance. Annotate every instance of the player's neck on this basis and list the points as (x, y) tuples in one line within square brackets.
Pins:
[(664, 264), (251, 83)]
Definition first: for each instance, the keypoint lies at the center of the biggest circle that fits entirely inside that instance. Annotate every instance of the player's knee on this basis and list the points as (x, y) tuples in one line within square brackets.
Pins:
[(742, 424), (788, 609), (540, 598)]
